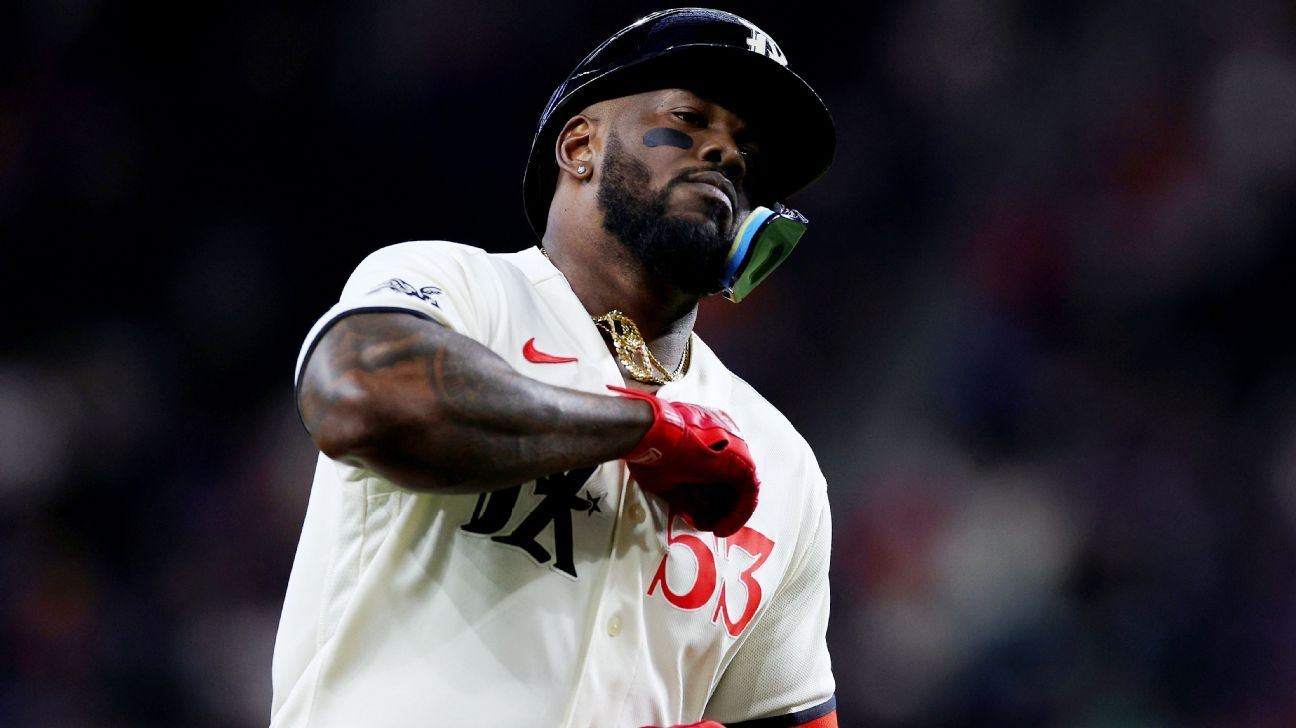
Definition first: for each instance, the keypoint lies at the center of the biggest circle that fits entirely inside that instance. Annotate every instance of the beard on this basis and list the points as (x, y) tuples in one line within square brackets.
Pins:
[(688, 254)]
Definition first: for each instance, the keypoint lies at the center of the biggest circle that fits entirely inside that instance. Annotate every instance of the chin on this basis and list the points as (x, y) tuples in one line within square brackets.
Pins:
[(714, 218), (692, 257), (705, 226)]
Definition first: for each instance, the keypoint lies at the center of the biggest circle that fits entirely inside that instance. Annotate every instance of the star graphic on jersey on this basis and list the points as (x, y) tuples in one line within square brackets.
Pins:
[(593, 501)]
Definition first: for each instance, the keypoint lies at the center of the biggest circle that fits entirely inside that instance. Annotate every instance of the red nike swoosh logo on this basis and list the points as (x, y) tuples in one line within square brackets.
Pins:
[(533, 354)]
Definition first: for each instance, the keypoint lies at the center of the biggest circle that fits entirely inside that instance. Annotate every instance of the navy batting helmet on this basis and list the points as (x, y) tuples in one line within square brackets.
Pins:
[(716, 54)]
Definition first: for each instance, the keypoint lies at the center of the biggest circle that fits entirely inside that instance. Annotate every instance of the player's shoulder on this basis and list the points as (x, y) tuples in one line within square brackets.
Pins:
[(447, 251), (760, 420), (422, 250), (771, 418), (449, 258), (742, 398)]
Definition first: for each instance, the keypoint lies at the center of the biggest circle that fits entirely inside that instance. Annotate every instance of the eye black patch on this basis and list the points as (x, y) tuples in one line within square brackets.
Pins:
[(670, 137)]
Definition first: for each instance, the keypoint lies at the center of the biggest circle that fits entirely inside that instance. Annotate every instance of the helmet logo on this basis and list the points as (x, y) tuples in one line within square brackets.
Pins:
[(761, 43)]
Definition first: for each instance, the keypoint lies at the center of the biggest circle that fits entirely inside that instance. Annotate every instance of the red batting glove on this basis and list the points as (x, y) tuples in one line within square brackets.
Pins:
[(695, 460)]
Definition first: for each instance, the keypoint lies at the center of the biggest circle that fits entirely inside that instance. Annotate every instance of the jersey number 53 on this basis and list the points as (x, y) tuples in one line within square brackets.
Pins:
[(706, 553)]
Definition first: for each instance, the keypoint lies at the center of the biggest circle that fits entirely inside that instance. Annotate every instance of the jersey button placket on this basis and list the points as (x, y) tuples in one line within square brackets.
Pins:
[(609, 661), (635, 512)]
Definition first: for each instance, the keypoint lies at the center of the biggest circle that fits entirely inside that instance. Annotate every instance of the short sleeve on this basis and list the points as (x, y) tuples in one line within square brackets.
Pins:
[(434, 280), (782, 675)]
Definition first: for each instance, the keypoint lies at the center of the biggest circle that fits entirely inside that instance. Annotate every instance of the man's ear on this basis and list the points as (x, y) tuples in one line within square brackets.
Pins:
[(574, 148)]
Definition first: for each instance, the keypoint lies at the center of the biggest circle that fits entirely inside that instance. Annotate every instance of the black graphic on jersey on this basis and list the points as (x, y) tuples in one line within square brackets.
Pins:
[(560, 498), (426, 293), (492, 511)]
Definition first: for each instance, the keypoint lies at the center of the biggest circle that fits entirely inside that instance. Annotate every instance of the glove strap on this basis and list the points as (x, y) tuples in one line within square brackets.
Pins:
[(667, 428)]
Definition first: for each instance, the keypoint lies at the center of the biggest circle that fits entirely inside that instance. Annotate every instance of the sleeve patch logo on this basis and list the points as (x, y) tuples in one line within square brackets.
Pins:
[(427, 294)]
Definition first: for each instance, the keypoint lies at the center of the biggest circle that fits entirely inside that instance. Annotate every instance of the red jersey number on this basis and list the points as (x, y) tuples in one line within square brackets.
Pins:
[(758, 546), (703, 589), (705, 581)]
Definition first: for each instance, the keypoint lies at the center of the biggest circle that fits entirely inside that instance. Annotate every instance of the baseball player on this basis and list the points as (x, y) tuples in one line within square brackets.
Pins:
[(541, 500)]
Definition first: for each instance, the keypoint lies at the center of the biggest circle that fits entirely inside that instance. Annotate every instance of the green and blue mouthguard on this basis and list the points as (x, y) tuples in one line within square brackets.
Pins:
[(765, 239)]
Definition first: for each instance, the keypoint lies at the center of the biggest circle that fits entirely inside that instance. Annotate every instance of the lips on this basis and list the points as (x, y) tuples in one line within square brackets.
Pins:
[(720, 182)]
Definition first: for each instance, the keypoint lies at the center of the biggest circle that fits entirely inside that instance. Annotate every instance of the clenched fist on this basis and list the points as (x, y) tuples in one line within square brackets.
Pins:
[(694, 458)]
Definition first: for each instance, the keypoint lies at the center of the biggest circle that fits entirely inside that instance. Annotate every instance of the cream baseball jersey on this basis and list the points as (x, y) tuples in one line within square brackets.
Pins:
[(572, 600)]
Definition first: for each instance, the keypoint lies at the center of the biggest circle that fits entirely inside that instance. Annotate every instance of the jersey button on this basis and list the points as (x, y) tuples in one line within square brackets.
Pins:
[(614, 626), (635, 512)]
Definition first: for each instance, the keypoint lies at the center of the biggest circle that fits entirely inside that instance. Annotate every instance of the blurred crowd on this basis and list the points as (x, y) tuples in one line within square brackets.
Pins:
[(1035, 334)]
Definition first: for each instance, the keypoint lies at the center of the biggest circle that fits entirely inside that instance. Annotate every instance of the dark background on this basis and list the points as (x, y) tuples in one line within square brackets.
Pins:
[(1035, 335)]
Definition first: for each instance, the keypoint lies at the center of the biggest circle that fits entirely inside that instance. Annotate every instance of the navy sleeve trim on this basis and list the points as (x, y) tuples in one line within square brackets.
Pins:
[(324, 330), (791, 719)]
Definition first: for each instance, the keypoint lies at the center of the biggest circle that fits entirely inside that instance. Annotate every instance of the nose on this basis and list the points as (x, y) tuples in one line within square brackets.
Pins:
[(720, 149)]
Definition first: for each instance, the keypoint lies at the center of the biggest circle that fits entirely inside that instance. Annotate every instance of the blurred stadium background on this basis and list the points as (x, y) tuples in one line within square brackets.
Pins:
[(1035, 334)]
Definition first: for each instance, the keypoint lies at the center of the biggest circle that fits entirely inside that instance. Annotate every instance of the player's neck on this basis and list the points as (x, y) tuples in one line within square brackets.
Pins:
[(605, 275)]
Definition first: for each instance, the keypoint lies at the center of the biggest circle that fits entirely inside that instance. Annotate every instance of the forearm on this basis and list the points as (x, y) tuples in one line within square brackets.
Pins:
[(432, 410)]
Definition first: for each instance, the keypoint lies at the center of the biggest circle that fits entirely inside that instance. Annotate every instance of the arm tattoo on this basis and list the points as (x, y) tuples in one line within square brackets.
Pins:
[(357, 345), (432, 409)]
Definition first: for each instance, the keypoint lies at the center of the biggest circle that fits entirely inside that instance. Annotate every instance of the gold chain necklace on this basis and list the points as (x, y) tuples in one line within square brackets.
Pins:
[(633, 352)]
